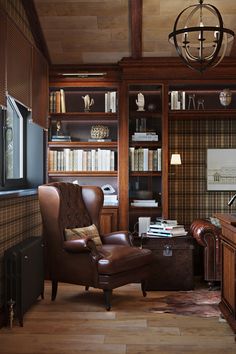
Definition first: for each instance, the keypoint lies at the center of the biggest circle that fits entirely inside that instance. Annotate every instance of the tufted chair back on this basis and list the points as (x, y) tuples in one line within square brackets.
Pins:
[(66, 205)]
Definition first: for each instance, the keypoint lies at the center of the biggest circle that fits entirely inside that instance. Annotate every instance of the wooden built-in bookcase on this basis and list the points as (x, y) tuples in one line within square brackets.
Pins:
[(155, 78), (74, 154)]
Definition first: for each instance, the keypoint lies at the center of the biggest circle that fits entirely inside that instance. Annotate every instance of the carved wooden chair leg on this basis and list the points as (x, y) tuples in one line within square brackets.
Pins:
[(107, 296), (54, 289), (143, 287)]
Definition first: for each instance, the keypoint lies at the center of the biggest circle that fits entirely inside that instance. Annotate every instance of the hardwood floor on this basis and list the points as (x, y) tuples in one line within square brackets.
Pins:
[(77, 323)]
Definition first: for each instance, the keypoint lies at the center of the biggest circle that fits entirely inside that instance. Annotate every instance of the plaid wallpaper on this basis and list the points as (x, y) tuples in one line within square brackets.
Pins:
[(19, 219), (188, 195)]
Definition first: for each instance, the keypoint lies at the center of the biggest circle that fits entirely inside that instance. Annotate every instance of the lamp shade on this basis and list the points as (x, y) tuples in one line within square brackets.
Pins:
[(175, 159)]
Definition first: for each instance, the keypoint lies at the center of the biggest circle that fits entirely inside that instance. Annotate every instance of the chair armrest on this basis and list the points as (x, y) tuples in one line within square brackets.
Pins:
[(117, 238), (82, 246), (76, 246), (202, 229)]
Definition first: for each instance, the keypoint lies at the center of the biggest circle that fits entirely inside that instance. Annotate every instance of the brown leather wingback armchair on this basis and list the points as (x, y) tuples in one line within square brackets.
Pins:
[(108, 266), (207, 236)]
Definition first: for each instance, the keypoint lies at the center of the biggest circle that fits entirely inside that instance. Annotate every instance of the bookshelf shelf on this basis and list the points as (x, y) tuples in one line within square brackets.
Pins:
[(82, 173), (82, 145), (203, 114), (84, 115), (145, 174), (151, 144)]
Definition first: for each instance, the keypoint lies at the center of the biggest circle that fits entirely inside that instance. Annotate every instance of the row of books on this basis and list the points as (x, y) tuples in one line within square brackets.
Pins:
[(177, 100), (145, 136), (145, 159), (57, 101), (166, 228), (81, 160), (147, 203)]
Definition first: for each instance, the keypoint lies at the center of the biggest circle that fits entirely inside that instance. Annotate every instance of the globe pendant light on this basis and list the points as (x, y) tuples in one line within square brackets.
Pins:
[(199, 36)]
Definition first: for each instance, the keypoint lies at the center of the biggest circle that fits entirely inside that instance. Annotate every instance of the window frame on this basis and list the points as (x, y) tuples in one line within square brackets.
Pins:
[(15, 183)]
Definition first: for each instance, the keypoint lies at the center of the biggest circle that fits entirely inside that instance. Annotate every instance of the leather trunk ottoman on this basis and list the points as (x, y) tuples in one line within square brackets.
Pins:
[(173, 265)]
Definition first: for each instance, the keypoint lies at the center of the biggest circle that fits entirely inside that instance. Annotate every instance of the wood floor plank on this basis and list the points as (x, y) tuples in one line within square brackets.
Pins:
[(78, 323)]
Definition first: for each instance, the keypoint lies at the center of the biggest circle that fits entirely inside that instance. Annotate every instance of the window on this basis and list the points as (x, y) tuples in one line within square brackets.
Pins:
[(13, 147)]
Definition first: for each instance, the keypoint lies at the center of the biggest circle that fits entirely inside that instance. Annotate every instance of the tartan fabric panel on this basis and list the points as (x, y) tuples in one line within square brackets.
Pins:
[(188, 195), (20, 218)]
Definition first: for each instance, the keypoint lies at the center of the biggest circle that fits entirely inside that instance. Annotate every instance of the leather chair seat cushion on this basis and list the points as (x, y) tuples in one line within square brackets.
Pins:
[(119, 258)]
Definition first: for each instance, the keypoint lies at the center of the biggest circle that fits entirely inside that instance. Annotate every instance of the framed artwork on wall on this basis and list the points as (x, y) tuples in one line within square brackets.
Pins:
[(221, 169)]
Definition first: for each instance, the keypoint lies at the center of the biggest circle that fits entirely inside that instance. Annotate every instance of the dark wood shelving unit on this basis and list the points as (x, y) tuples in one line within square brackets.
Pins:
[(86, 158), (203, 114), (84, 116), (151, 144), (149, 181), (82, 144), (82, 173)]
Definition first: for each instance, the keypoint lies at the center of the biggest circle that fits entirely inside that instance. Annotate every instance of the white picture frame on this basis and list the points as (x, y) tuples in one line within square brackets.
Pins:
[(221, 169)]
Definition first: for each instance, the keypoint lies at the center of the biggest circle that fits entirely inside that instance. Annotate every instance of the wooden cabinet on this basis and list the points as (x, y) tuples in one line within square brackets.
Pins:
[(2, 59), (109, 220), (19, 64), (39, 89), (228, 253), (83, 140)]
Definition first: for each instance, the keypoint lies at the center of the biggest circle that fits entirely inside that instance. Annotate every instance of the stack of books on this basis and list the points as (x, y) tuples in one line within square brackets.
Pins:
[(110, 199), (166, 228), (61, 138), (148, 203), (144, 136)]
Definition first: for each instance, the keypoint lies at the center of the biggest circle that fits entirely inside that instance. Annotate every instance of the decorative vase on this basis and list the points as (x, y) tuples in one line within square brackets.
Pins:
[(99, 132)]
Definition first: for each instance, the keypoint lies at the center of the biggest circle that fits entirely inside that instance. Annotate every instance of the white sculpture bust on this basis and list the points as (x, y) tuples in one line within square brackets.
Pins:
[(87, 102), (140, 102)]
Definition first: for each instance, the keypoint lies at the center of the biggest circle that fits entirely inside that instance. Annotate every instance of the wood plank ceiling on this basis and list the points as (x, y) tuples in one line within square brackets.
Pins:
[(105, 31)]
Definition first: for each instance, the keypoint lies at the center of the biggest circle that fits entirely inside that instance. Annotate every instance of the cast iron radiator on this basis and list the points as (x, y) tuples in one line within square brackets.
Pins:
[(24, 277)]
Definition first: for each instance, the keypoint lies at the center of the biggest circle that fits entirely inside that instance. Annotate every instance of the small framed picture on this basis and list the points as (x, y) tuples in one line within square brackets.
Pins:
[(221, 169)]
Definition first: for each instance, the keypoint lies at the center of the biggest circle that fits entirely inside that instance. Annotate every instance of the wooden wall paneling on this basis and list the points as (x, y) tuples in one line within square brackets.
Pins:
[(109, 220), (40, 91), (123, 160), (165, 153), (2, 59), (18, 65)]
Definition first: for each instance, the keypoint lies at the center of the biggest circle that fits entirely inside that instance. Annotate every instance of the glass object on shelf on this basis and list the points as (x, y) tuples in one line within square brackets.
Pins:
[(200, 103), (191, 101)]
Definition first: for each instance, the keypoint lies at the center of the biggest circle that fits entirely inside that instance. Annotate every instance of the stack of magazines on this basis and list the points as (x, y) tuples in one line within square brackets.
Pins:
[(166, 228)]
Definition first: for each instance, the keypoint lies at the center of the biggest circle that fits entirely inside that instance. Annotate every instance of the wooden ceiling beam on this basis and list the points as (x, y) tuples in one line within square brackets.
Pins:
[(233, 49), (35, 27), (136, 9)]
